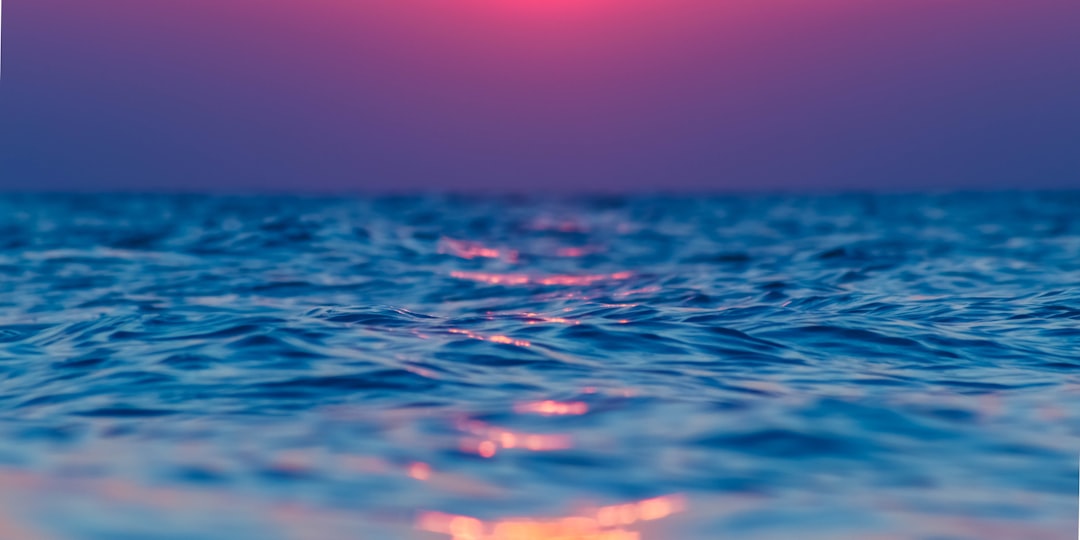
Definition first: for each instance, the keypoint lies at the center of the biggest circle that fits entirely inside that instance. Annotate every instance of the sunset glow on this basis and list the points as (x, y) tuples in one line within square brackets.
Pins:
[(539, 269), (547, 9)]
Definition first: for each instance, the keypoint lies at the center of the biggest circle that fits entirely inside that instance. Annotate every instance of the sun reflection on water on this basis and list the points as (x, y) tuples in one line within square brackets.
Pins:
[(604, 523), (490, 439), (552, 408), (526, 279), (537, 318), (505, 340), (475, 250)]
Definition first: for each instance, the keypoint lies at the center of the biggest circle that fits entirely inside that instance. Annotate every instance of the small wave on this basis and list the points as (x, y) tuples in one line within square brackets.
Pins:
[(631, 368)]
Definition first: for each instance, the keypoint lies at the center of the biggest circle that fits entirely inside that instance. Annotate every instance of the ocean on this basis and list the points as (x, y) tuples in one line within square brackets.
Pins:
[(178, 367)]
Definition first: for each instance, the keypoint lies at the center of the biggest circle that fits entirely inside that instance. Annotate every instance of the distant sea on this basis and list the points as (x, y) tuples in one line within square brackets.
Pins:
[(654, 368)]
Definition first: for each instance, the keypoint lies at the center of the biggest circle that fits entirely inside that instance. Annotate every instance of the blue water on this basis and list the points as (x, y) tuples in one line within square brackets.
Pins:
[(848, 367)]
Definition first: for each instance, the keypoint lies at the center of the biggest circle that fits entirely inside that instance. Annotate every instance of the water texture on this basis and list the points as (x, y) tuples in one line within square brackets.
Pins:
[(844, 367)]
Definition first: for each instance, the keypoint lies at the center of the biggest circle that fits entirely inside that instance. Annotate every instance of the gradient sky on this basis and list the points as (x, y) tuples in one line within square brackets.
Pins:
[(539, 95)]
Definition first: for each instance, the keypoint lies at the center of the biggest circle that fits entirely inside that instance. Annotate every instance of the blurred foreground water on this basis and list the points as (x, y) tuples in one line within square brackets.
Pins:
[(848, 367)]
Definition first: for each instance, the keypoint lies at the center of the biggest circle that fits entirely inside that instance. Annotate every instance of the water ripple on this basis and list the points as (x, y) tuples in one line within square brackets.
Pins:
[(615, 368)]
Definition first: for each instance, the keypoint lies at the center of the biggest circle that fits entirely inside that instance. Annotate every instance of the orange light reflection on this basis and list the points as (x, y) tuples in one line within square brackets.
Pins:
[(605, 523), (573, 252), (534, 318), (524, 279), (420, 471), (475, 250), (505, 340), (493, 438), (552, 408)]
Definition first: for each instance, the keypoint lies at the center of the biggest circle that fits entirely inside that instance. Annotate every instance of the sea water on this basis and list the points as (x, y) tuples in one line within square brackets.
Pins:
[(610, 368)]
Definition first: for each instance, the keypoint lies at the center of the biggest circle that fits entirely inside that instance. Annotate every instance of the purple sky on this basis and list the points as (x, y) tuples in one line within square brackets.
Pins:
[(523, 95)]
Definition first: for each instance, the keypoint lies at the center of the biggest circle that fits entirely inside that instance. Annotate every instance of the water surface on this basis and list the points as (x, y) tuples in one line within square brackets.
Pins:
[(847, 367)]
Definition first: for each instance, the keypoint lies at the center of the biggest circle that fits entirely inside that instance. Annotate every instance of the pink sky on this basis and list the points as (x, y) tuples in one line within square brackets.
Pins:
[(525, 95)]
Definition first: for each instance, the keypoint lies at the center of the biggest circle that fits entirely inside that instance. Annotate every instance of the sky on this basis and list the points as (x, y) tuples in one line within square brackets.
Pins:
[(486, 96)]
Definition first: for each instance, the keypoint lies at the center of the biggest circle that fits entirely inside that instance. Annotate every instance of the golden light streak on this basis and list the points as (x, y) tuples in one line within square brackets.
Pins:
[(505, 340), (604, 523), (525, 279), (493, 438), (535, 318), (553, 408), (474, 250)]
